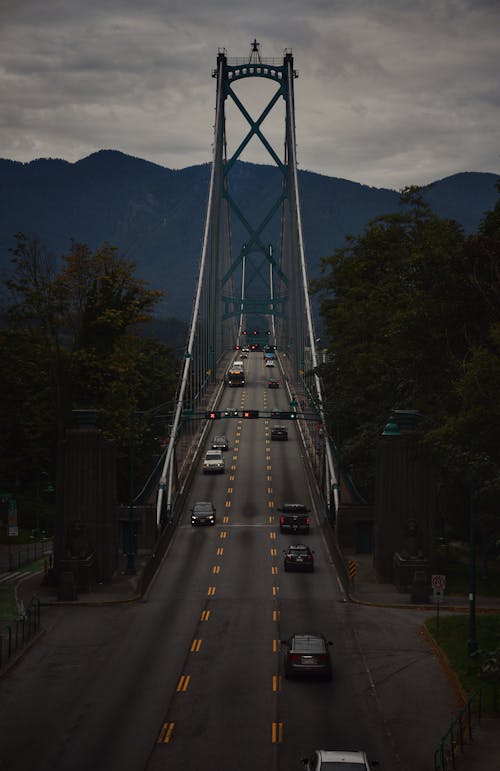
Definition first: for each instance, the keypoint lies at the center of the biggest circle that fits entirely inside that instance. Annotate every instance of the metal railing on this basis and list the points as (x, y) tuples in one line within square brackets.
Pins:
[(459, 733), (30, 552), (14, 636)]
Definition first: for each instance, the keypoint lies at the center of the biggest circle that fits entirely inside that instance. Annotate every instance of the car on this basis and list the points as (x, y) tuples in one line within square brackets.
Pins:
[(203, 513), (273, 384), (244, 355), (343, 760), (279, 434), (238, 364), (220, 442), (213, 462), (245, 349), (307, 654), (294, 518), (269, 363), (298, 556)]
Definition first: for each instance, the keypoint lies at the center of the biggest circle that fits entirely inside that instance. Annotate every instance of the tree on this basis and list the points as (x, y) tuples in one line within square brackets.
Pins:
[(72, 339)]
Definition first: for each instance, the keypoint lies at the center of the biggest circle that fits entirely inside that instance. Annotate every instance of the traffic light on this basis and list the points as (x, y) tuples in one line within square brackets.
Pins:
[(212, 414), (231, 414), (250, 414), (284, 414)]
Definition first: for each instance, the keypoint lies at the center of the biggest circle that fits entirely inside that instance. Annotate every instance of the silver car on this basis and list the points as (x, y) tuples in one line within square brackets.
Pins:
[(337, 760)]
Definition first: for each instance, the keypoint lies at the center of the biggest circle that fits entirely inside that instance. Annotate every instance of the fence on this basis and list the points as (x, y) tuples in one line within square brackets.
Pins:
[(459, 733), (14, 636), (14, 557)]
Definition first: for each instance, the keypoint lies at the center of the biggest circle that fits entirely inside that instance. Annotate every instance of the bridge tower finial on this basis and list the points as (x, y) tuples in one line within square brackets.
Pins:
[(255, 50)]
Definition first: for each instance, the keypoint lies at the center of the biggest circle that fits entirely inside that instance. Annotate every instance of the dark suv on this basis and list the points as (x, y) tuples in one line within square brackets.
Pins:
[(203, 513), (294, 518), (307, 654)]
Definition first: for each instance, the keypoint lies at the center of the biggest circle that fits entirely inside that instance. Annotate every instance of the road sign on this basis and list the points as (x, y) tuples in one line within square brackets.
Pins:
[(437, 594), (438, 582)]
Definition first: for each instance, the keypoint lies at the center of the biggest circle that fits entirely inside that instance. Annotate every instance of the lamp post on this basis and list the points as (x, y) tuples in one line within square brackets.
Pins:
[(472, 642), (131, 524), (49, 489)]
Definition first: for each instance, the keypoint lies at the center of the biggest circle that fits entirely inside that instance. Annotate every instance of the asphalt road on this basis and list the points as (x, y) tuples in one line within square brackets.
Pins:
[(192, 678)]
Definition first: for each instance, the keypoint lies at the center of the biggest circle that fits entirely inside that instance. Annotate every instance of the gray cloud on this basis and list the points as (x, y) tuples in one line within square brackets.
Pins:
[(389, 92)]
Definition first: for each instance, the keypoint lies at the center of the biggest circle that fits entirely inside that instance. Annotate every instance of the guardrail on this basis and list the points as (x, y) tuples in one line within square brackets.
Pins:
[(459, 733), (30, 552), (14, 636)]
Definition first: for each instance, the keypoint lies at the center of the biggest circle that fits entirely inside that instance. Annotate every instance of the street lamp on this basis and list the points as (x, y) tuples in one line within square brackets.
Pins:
[(48, 489), (472, 642)]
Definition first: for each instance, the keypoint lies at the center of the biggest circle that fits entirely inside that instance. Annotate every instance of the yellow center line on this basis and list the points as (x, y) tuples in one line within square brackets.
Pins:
[(277, 733), (211, 591), (165, 733), (270, 504), (276, 683), (276, 591), (229, 491), (183, 683), (220, 551), (273, 552), (223, 534), (195, 646), (272, 535), (228, 504), (274, 570), (216, 569), (276, 646), (205, 615), (276, 615)]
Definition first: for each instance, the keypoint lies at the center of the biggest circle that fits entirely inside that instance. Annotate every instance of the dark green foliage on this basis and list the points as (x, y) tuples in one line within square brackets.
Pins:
[(71, 339), (412, 312)]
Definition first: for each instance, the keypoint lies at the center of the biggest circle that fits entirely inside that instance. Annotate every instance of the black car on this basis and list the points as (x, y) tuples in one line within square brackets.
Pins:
[(279, 434), (307, 654), (203, 513), (273, 384), (220, 442), (294, 518), (298, 557)]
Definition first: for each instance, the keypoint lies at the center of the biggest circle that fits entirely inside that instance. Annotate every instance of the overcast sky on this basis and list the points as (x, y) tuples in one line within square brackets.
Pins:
[(389, 93)]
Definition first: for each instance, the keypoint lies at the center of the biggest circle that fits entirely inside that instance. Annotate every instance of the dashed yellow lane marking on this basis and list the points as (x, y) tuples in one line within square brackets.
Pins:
[(225, 520), (271, 519), (272, 535), (237, 441), (183, 683), (276, 646), (277, 733), (165, 733), (276, 615), (276, 591), (216, 569), (270, 504), (269, 490), (220, 551), (269, 478), (268, 467), (195, 646), (228, 504), (268, 457), (274, 570), (229, 491), (223, 534), (235, 457), (205, 615), (276, 683), (233, 468), (231, 477), (211, 591), (273, 552)]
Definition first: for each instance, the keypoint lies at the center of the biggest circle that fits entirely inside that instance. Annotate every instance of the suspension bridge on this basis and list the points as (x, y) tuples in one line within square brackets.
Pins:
[(252, 277)]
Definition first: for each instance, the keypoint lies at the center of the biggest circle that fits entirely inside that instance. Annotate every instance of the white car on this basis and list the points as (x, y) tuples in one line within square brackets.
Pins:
[(213, 462), (269, 363), (326, 760)]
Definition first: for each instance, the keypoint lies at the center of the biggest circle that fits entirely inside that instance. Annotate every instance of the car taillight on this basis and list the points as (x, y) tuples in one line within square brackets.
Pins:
[(294, 657), (308, 520), (323, 658), (282, 520)]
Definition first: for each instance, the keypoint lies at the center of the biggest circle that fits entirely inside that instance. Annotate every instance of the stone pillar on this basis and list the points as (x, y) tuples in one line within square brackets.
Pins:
[(405, 501), (87, 531)]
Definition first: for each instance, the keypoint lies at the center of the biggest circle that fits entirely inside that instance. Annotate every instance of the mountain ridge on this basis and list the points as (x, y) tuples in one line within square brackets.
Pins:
[(155, 215)]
